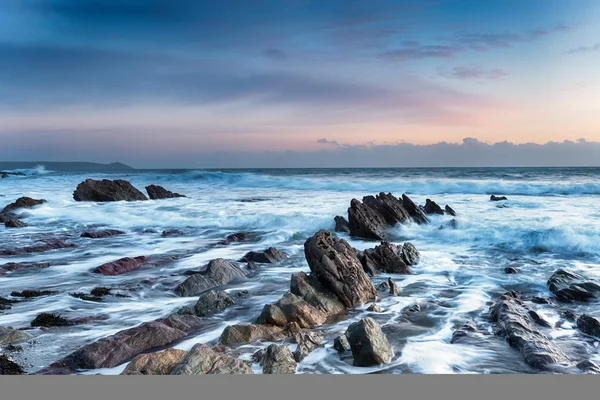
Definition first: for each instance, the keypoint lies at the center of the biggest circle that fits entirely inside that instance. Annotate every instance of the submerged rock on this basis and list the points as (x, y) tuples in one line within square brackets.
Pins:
[(589, 325), (464, 332), (218, 272), (307, 342), (278, 360), (569, 286), (497, 198), (368, 343), (156, 192), (46, 245), (50, 319), (341, 224), (235, 238), (15, 223), (162, 363), (20, 203), (202, 360), (13, 336), (107, 190), (511, 270), (171, 232), (120, 266), (269, 256), (32, 293), (213, 302), (102, 234), (431, 207)]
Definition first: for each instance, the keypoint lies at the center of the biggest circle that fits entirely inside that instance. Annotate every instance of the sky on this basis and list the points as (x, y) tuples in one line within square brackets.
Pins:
[(280, 83)]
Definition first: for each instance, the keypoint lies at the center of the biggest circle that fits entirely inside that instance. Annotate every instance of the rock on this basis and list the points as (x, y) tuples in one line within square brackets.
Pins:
[(307, 341), (291, 308), (116, 349), (13, 336), (202, 360), (368, 343), (171, 232), (48, 244), (450, 211), (364, 222), (496, 198), (32, 293), (279, 360), (259, 356), (568, 286), (22, 202), (414, 211), (247, 333), (50, 319), (386, 257), (15, 223), (514, 321), (589, 367), (269, 256), (311, 290), (341, 224), (388, 206), (463, 332), (410, 255), (107, 190), (540, 300), (6, 304), (334, 263), (383, 286), (511, 270), (9, 367), (213, 302), (100, 291), (234, 238), (4, 175), (394, 290), (431, 207), (162, 363), (589, 325), (102, 234), (120, 266), (218, 272), (156, 192), (374, 308), (86, 297), (341, 344)]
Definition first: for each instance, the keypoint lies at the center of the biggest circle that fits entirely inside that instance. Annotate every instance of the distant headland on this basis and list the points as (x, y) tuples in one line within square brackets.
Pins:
[(64, 166)]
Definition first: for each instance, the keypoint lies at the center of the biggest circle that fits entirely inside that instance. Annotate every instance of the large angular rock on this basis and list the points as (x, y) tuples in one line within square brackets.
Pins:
[(218, 272), (414, 210), (316, 294), (269, 256), (107, 190), (389, 207), (278, 360), (120, 266), (386, 257), (291, 308), (213, 302), (410, 255), (431, 207), (365, 222), (162, 363), (156, 192), (202, 360), (514, 321), (20, 203), (589, 325), (341, 224), (368, 343), (334, 263), (569, 286)]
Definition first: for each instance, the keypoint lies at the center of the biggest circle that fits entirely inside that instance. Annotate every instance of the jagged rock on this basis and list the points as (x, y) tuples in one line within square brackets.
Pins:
[(410, 255), (515, 322), (13, 336), (120, 266), (247, 333), (316, 294), (365, 222), (48, 244), (202, 360), (374, 308), (102, 234), (431, 207), (22, 202), (341, 225), (269, 256), (307, 341), (279, 360), (116, 349), (394, 290), (50, 319), (213, 302), (235, 237), (162, 363), (28, 294), (107, 190), (463, 332), (291, 308), (218, 272), (540, 300), (589, 325), (368, 343), (511, 270), (386, 257), (414, 211), (15, 223), (450, 210), (568, 286), (388, 206), (497, 198), (589, 367), (341, 344), (334, 263), (156, 192), (9, 367)]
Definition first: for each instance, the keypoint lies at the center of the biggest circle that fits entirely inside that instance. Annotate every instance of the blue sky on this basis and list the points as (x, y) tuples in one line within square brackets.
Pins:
[(180, 80)]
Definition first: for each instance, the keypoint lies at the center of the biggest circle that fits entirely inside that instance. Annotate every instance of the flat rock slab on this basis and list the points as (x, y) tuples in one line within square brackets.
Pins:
[(120, 266)]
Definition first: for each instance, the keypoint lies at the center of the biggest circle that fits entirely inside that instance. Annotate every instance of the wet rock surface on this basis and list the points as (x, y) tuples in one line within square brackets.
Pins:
[(386, 257), (156, 192), (43, 246), (202, 360), (107, 190), (368, 343), (570, 286), (278, 359), (589, 325), (498, 198), (218, 272), (341, 224), (162, 363), (213, 302), (121, 266), (269, 256), (101, 234), (431, 207)]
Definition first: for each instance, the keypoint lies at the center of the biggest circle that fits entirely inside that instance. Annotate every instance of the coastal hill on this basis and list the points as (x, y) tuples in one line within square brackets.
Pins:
[(64, 166)]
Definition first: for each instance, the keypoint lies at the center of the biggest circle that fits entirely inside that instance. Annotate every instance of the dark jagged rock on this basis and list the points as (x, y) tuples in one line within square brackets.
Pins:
[(15, 223), (235, 238), (514, 321), (374, 308), (589, 367), (341, 344), (316, 294), (511, 270), (497, 198), (86, 297), (307, 341), (13, 336), (32, 293), (202, 360), (449, 210), (9, 367), (218, 272), (389, 207), (431, 207), (269, 256), (365, 222), (6, 304), (116, 349), (107, 190), (291, 308), (102, 234), (386, 257), (213, 302), (368, 343), (334, 263), (465, 331), (22, 202), (162, 363), (120, 266), (410, 255), (50, 319), (540, 300), (341, 225), (394, 290), (569, 286), (48, 244), (4, 175), (414, 211), (279, 360), (156, 192), (589, 325), (100, 291), (171, 232)]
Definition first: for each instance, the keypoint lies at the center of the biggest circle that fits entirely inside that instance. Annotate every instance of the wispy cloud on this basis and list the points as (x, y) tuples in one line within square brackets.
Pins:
[(327, 141), (473, 72), (585, 49)]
